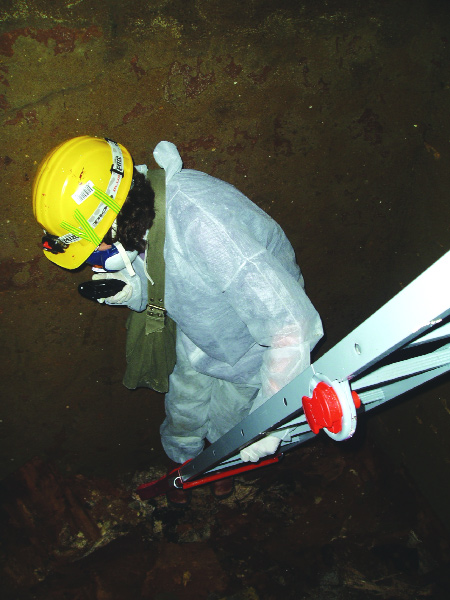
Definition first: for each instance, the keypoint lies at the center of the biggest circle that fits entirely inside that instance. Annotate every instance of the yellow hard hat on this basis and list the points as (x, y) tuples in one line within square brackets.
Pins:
[(78, 190)]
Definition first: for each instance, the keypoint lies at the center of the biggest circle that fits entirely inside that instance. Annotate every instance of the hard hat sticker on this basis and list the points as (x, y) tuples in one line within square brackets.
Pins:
[(108, 200), (69, 238), (98, 215), (83, 192), (85, 230)]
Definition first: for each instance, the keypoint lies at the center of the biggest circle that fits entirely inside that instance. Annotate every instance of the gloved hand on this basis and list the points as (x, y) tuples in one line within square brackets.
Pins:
[(264, 447), (121, 297)]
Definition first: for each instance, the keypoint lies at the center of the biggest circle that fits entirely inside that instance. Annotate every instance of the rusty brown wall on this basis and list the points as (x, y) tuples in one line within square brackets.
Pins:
[(332, 116)]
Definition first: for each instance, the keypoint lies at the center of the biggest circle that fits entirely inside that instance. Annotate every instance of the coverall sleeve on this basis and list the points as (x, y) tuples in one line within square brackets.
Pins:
[(266, 296)]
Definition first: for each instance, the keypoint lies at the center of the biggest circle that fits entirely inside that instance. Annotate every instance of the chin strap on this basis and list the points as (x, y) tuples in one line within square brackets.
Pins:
[(124, 256)]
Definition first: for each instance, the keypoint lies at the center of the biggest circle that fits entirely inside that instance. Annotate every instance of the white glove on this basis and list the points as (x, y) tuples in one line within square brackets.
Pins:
[(121, 297), (257, 450)]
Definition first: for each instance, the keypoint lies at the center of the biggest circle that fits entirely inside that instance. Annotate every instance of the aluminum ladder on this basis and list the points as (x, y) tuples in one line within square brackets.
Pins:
[(401, 346)]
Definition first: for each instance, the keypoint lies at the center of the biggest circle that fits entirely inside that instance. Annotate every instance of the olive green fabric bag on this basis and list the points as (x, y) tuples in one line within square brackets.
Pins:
[(151, 334)]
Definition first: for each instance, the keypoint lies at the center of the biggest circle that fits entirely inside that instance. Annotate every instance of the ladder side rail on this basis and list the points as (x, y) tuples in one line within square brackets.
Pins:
[(300, 436), (299, 428), (404, 368), (282, 407), (378, 396), (434, 335), (414, 310)]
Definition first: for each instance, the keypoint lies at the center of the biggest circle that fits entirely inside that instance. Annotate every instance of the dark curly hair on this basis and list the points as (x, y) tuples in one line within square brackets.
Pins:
[(136, 215)]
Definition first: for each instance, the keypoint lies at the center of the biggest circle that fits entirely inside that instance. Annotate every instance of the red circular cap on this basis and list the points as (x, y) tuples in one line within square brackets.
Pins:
[(323, 409)]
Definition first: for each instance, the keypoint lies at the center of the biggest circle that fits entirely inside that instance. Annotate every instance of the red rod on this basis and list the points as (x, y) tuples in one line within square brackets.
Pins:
[(164, 484)]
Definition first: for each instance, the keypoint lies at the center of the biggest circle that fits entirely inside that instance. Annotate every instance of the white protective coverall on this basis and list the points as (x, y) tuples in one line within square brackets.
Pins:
[(245, 327)]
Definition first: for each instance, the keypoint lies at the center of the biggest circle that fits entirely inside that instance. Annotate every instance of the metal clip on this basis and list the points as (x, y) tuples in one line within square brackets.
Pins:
[(156, 312)]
